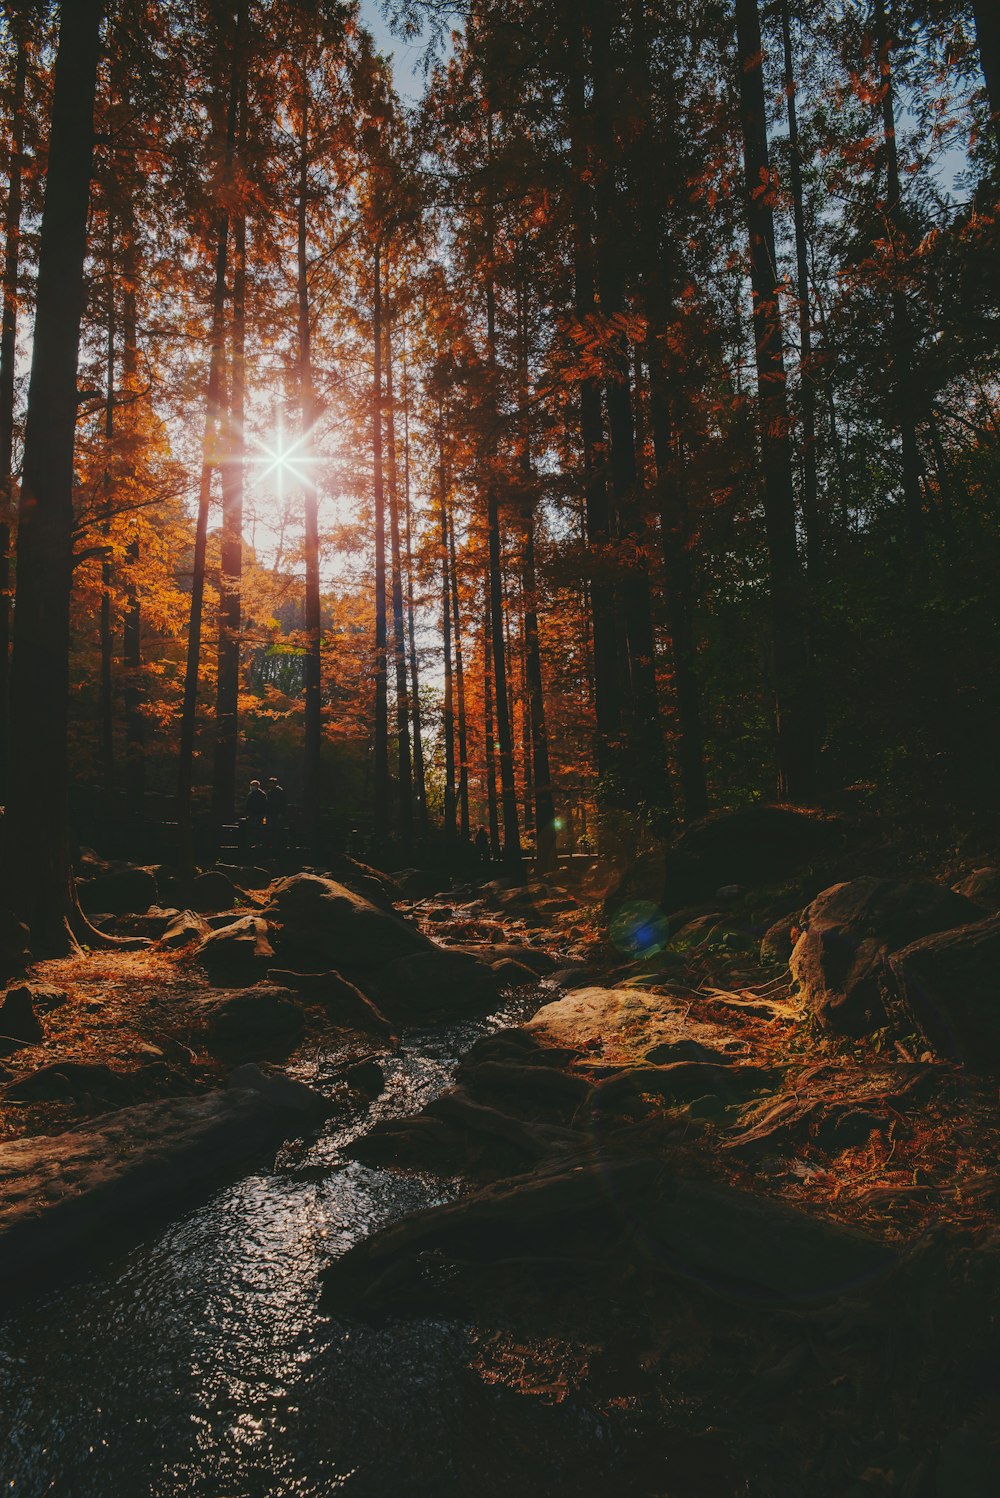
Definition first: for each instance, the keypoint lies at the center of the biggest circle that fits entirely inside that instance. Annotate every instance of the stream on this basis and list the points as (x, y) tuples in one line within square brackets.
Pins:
[(197, 1361)]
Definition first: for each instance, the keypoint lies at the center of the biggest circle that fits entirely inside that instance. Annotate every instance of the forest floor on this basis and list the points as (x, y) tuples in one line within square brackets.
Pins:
[(890, 1392)]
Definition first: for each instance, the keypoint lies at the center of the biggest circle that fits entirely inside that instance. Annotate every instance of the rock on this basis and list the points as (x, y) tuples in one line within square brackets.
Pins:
[(686, 1050), (779, 939), (19, 1024), (849, 930), (246, 875), (210, 892), (366, 1077), (42, 998), (88, 1082), (326, 925), (150, 925), (574, 977), (125, 891), (253, 1018), (420, 884), (678, 1082), (346, 1006), (949, 983), (609, 1208), (756, 845), (540, 962), (63, 1192), (14, 938), (982, 887), (186, 927), (238, 952), (729, 893), (434, 984), (615, 1024), (526, 1090), (513, 975)]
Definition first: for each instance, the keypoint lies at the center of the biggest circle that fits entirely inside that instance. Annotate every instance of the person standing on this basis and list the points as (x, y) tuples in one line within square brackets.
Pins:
[(256, 811)]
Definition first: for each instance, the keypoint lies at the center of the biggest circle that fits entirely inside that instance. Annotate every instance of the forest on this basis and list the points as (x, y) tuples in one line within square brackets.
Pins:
[(499, 727)]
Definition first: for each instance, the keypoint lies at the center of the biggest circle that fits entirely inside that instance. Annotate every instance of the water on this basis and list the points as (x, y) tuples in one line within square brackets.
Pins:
[(197, 1362)]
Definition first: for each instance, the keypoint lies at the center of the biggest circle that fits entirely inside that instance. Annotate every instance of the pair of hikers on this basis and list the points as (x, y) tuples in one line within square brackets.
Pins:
[(267, 812)]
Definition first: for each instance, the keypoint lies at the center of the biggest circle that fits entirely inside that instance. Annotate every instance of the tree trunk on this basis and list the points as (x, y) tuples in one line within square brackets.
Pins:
[(450, 830), (902, 329), (38, 866), (790, 648), (381, 818), (308, 415), (420, 782), (489, 731), (210, 458), (807, 382), (463, 732), (107, 719), (8, 359), (134, 694), (987, 17), (398, 631)]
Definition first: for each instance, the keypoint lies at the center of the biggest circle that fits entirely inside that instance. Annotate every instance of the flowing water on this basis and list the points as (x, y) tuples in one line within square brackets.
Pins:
[(198, 1363)]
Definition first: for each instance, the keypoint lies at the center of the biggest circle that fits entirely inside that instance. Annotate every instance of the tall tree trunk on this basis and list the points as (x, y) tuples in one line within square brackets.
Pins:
[(398, 631), (308, 415), (450, 830), (489, 730), (807, 381), (508, 789), (209, 460), (607, 685), (902, 327), (987, 18), (8, 359), (790, 647), (133, 694), (107, 720), (381, 819), (420, 781), (38, 863), (463, 730), (647, 761)]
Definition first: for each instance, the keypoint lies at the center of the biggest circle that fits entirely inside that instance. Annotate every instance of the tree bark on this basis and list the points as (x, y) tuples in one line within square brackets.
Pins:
[(133, 694), (420, 781), (463, 730), (8, 359), (489, 730), (39, 868), (987, 18), (398, 631), (308, 416), (107, 720), (789, 642), (381, 818), (450, 830)]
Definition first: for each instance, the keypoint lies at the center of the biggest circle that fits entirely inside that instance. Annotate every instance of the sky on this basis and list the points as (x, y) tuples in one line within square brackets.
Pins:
[(405, 55)]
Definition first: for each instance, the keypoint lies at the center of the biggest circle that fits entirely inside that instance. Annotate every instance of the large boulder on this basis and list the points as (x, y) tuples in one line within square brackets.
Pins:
[(19, 1025), (950, 983), (58, 1193), (756, 845), (325, 925), (253, 1020), (344, 1005), (849, 931), (126, 891), (982, 887), (238, 953), (436, 983), (185, 927), (211, 892)]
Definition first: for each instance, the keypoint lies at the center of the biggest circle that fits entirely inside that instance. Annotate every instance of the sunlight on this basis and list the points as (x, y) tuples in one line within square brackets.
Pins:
[(280, 459)]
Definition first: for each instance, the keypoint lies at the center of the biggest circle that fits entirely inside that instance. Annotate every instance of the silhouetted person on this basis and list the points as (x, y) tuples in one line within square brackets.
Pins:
[(481, 843), (256, 810)]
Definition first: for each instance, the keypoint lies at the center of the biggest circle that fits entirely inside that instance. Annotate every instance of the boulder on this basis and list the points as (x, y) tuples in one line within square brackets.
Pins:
[(513, 975), (186, 927), (19, 1024), (612, 1209), (210, 892), (346, 1007), (982, 887), (539, 961), (150, 925), (950, 983), (326, 925), (840, 959), (380, 888), (239, 952), (574, 977), (759, 844), (434, 984), (42, 997), (60, 1193), (126, 891), (779, 939), (253, 1019), (615, 1024)]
